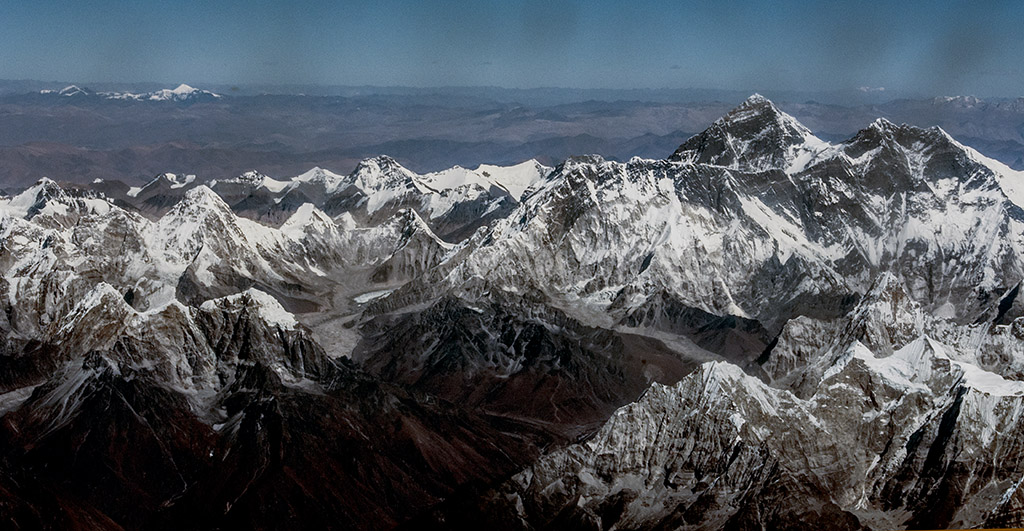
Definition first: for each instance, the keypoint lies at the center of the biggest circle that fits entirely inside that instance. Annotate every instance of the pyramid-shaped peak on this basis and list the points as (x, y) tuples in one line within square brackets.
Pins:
[(887, 286), (409, 224), (203, 196), (307, 218), (381, 172), (880, 130), (74, 90), (382, 162), (317, 173), (883, 124), (31, 200), (758, 108), (43, 190), (46, 182), (754, 136), (757, 99), (328, 179), (47, 188)]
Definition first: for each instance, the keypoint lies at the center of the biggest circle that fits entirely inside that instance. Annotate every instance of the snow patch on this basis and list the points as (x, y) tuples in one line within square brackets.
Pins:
[(367, 297)]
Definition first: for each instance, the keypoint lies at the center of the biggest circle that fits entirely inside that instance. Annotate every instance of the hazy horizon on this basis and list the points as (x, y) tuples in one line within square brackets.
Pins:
[(855, 96), (934, 48)]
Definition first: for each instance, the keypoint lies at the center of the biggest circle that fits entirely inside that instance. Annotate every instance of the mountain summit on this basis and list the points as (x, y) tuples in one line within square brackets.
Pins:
[(755, 136)]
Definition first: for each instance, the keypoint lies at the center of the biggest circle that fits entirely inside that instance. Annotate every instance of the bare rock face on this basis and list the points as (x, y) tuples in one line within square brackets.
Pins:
[(765, 330), (869, 437), (524, 361), (236, 419), (873, 447)]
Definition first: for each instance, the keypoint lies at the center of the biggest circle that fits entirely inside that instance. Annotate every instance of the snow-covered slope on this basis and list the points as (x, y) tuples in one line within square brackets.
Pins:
[(829, 335), (874, 446), (328, 179), (454, 202), (872, 440), (769, 238), (515, 179), (58, 243)]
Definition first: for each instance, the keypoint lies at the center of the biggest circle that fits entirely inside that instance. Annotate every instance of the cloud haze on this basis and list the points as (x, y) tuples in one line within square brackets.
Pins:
[(940, 47)]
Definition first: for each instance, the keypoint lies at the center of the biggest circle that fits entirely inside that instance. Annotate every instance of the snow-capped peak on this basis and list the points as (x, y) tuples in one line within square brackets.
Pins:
[(201, 197), (381, 166), (756, 99), (253, 179), (760, 111), (32, 198), (184, 89), (102, 299), (330, 180), (307, 218), (199, 220), (73, 90), (409, 223), (181, 93), (515, 179), (754, 136), (883, 125), (382, 181), (381, 174), (453, 177)]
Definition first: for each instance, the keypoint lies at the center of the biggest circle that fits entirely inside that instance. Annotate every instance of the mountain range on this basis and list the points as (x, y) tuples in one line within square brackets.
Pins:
[(765, 329), (149, 129), (181, 93)]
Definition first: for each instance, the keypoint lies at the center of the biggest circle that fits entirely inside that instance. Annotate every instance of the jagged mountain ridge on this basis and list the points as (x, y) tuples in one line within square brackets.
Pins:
[(867, 438), (871, 278), (454, 202), (807, 234)]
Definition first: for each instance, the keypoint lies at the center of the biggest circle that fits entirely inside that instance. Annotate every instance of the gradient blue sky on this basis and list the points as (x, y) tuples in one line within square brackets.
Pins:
[(935, 47)]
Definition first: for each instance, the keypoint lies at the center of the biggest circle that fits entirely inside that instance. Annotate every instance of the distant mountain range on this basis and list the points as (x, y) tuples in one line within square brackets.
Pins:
[(133, 133), (182, 93)]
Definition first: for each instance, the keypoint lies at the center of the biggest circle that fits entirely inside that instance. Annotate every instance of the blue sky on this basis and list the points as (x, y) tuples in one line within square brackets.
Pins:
[(936, 47)]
